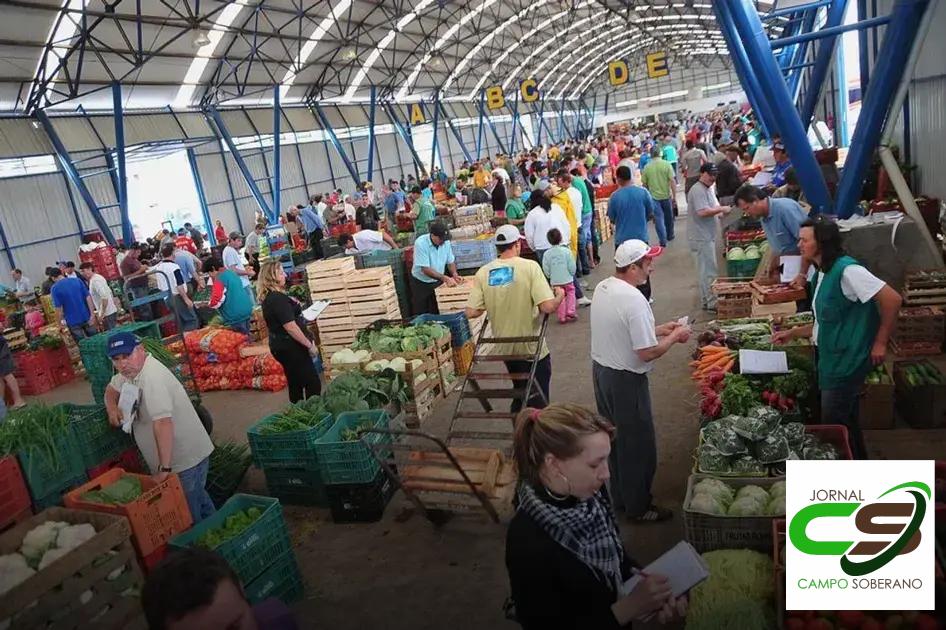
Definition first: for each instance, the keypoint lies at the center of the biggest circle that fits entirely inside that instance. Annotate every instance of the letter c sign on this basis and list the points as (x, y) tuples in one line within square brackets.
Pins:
[(529, 91)]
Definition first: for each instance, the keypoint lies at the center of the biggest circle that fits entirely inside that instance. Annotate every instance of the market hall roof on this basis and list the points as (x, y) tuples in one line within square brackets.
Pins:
[(188, 53)]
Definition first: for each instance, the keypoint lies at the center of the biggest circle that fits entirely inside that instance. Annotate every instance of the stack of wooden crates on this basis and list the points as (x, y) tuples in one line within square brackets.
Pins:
[(602, 222), (358, 298), (54, 330)]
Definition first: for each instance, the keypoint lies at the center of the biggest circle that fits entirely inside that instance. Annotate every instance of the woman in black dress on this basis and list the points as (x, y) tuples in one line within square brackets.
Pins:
[(288, 341), (566, 561)]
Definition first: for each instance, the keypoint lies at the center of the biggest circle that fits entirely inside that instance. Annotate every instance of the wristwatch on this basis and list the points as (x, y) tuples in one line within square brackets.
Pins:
[(166, 469)]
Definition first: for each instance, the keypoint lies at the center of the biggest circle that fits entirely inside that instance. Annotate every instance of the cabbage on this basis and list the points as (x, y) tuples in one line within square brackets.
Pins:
[(752, 253), (756, 492), (776, 506), (711, 460), (723, 438), (377, 365), (772, 449), (755, 428), (398, 364), (345, 356), (715, 488), (763, 247), (707, 504), (736, 253), (747, 506), (777, 489), (748, 465)]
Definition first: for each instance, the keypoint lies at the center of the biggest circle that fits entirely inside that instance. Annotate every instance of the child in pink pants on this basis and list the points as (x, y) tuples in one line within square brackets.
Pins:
[(558, 263)]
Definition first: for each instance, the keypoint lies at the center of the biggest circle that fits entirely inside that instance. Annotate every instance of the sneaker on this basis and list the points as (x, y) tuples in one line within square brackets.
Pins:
[(650, 300), (583, 284), (583, 301)]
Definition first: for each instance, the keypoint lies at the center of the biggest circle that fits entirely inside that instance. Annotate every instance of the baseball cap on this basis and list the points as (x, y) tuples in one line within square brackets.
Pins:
[(415, 189), (507, 234), (778, 146), (121, 343), (235, 235), (710, 168), (633, 250), (357, 196)]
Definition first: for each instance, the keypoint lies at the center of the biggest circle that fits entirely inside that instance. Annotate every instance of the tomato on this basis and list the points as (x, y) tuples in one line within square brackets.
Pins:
[(794, 623), (871, 624), (850, 618), (926, 622), (819, 624)]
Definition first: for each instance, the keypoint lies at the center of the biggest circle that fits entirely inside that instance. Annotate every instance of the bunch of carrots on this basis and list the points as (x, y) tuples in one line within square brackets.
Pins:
[(718, 359)]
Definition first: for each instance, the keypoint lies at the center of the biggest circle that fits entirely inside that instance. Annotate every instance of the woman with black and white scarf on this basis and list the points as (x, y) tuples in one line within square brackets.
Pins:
[(566, 561)]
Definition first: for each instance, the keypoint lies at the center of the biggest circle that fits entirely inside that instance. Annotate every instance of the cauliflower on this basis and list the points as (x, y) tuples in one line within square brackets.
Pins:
[(39, 539), (777, 489), (74, 535), (706, 503), (51, 556), (13, 570), (777, 506), (714, 488), (757, 493), (747, 506)]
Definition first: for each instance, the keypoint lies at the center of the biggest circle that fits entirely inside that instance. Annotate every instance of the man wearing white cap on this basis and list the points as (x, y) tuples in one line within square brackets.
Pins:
[(624, 344), (512, 291)]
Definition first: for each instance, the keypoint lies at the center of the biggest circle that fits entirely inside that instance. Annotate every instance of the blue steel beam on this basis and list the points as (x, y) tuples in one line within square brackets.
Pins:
[(65, 162), (492, 127), (201, 196), (224, 134), (456, 133), (829, 32), (479, 127), (121, 174), (6, 247), (276, 183), (758, 99), (798, 53), (371, 137), (771, 15), (891, 62), (823, 56), (226, 172), (538, 134), (794, 135), (864, 61), (327, 127), (436, 139), (515, 123), (405, 136)]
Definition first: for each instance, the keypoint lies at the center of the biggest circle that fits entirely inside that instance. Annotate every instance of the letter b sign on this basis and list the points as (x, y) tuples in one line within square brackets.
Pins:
[(494, 97)]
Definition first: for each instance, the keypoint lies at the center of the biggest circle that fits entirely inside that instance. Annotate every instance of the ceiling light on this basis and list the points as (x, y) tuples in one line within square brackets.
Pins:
[(200, 39), (349, 54)]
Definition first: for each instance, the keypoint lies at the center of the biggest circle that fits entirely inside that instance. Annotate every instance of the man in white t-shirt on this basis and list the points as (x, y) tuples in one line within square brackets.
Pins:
[(170, 278), (233, 261), (102, 296), (369, 238), (625, 341)]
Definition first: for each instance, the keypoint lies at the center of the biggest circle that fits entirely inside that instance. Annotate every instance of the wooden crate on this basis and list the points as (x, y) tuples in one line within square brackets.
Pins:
[(876, 405), (422, 406), (708, 532), (53, 597), (454, 299), (925, 288), (920, 324), (776, 293), (765, 310), (16, 338)]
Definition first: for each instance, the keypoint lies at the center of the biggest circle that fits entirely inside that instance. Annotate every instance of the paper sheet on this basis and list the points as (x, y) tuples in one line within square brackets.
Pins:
[(312, 313), (682, 566), (791, 267), (763, 362), (128, 403), (762, 178), (684, 321)]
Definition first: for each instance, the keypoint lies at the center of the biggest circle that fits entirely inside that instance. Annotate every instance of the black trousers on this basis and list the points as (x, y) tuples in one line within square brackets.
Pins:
[(543, 378), (423, 299), (315, 243), (295, 360)]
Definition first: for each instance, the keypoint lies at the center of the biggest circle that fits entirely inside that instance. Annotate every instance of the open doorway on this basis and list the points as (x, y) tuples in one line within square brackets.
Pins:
[(161, 194)]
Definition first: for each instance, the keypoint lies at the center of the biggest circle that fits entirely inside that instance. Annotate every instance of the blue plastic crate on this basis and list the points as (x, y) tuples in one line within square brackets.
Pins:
[(458, 324), (473, 253)]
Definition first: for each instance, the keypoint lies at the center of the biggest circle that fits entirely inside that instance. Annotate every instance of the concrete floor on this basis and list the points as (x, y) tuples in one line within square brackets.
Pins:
[(404, 573)]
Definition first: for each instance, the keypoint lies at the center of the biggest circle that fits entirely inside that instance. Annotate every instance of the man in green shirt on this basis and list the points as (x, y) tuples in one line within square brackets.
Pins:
[(584, 227), (515, 207), (422, 211), (657, 177)]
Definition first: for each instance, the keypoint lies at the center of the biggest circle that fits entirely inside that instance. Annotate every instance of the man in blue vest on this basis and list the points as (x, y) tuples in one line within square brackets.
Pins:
[(855, 313)]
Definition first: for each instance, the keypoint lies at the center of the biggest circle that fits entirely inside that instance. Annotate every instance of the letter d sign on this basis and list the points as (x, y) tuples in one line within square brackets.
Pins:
[(617, 72), (494, 97)]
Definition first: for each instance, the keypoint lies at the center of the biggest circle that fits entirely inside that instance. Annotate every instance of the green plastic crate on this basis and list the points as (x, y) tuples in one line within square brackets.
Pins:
[(54, 497), (44, 477), (281, 580), (250, 553), (742, 268), (96, 439), (295, 448), (296, 485), (351, 462), (98, 367)]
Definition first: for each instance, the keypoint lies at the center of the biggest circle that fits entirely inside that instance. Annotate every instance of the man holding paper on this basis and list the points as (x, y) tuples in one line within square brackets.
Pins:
[(625, 341), (781, 219)]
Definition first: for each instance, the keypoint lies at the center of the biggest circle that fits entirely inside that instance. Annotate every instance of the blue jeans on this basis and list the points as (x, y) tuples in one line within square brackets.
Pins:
[(840, 405), (666, 209), (81, 331), (243, 327), (251, 293), (185, 313), (193, 481)]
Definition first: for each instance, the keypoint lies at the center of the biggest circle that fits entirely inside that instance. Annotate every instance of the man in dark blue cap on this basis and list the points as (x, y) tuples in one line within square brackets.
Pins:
[(165, 426)]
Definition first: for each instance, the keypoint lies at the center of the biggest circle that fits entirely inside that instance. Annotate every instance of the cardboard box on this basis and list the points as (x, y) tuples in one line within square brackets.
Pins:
[(877, 405)]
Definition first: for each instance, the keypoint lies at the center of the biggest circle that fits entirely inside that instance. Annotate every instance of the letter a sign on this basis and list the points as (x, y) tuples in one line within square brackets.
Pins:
[(617, 72), (417, 114)]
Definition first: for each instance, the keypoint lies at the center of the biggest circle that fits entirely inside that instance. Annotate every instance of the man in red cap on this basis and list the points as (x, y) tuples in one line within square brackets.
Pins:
[(625, 341)]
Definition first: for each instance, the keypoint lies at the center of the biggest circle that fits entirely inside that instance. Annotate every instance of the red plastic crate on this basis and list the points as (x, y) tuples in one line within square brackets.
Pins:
[(148, 562), (834, 434), (16, 519), (128, 460), (14, 497), (103, 259), (157, 515), (36, 382)]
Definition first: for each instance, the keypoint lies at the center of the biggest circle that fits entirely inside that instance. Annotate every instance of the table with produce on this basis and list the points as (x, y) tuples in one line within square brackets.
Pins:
[(734, 506)]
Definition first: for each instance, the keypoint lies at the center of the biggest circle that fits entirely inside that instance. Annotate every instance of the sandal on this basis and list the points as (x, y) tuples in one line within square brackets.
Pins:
[(654, 514)]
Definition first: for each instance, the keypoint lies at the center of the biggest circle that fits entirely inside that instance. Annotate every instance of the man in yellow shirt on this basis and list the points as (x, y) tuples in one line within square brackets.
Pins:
[(513, 291), (480, 176)]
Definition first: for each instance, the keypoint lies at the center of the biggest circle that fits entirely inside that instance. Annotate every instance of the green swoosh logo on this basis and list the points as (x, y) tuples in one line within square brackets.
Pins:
[(857, 569)]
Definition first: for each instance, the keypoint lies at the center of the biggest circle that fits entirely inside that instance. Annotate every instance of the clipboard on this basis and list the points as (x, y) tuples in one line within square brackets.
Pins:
[(682, 565)]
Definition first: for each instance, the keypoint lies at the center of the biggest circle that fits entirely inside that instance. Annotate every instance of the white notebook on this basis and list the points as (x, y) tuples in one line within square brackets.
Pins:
[(682, 565)]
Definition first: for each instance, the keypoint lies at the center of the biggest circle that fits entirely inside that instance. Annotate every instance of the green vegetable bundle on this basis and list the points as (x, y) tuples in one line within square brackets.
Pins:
[(737, 594), (298, 416), (44, 342), (233, 526), (228, 464), (35, 428), (123, 491), (157, 349), (922, 373)]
